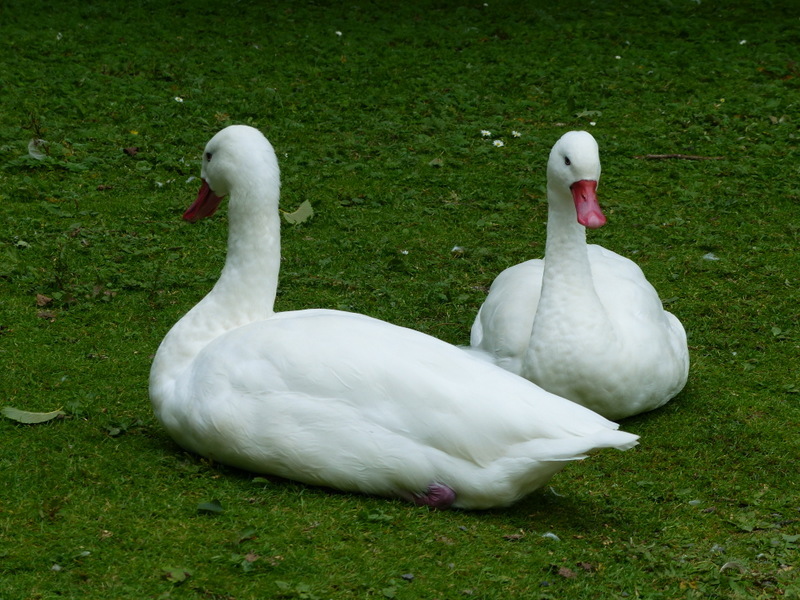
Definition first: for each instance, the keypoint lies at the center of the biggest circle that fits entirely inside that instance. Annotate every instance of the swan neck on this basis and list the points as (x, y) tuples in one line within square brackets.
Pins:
[(245, 291), (565, 249), (249, 280), (568, 291)]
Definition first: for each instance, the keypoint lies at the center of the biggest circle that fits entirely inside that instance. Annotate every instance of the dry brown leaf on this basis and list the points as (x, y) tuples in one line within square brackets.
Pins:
[(565, 572)]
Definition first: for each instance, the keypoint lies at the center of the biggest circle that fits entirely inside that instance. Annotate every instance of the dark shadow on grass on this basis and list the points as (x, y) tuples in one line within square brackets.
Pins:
[(543, 510)]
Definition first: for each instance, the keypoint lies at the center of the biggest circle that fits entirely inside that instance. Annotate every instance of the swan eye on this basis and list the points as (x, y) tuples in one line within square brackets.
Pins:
[(208, 156), (567, 161)]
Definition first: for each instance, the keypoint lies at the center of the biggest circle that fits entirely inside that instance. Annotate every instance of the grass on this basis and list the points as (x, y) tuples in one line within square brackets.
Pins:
[(380, 128)]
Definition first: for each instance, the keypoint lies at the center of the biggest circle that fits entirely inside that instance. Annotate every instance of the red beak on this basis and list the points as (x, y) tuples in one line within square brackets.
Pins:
[(206, 204), (584, 194)]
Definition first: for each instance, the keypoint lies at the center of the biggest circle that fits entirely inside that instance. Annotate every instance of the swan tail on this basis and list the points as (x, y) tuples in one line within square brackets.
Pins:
[(568, 449)]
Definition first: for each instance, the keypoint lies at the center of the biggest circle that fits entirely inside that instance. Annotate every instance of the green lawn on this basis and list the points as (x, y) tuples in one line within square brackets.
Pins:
[(376, 115)]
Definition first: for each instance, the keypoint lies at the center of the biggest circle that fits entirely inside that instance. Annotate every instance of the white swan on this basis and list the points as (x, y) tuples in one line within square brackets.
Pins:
[(583, 323), (340, 399)]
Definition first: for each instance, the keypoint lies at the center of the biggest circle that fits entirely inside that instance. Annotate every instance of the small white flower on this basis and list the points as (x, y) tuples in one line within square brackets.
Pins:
[(404, 252), (592, 123), (485, 132), (339, 33), (516, 134), (618, 57), (742, 42), (498, 143), (59, 36), (178, 99)]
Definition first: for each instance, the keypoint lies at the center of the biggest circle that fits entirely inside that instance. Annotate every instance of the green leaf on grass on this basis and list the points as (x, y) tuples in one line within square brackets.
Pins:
[(436, 162), (303, 213), (248, 533), (30, 418), (176, 576), (376, 516), (210, 508)]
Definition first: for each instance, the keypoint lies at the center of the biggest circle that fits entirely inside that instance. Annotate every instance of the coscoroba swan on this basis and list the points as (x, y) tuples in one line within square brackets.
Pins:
[(583, 323), (340, 399)]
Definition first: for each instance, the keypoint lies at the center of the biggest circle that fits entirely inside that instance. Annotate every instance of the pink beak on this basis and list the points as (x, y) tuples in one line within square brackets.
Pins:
[(584, 194), (206, 204)]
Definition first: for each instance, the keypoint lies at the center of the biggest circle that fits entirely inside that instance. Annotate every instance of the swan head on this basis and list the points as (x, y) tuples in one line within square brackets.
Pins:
[(237, 156), (573, 171)]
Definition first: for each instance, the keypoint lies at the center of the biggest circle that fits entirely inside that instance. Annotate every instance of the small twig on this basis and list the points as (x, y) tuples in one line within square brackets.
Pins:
[(681, 156)]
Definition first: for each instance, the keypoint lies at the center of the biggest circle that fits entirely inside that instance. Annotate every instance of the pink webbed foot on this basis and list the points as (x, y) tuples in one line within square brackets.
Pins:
[(437, 495)]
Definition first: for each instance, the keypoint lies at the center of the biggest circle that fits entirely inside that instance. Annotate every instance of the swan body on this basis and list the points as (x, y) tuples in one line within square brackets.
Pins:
[(584, 322), (340, 399)]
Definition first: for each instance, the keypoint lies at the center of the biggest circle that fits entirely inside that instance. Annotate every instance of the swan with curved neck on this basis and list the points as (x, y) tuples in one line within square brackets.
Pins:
[(340, 399), (584, 322)]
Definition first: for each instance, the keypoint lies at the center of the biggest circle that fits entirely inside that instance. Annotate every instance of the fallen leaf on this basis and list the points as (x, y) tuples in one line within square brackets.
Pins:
[(42, 300), (377, 515), (132, 151), (732, 564), (565, 572), (303, 213), (248, 533), (46, 314), (586, 566), (30, 418), (444, 540), (210, 508), (176, 576), (35, 147), (103, 187)]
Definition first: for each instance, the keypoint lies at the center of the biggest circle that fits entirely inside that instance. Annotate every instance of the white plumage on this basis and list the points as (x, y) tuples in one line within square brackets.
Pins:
[(340, 399), (584, 322)]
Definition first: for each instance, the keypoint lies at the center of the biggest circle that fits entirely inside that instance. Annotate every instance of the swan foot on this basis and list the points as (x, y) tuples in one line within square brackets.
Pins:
[(437, 495)]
